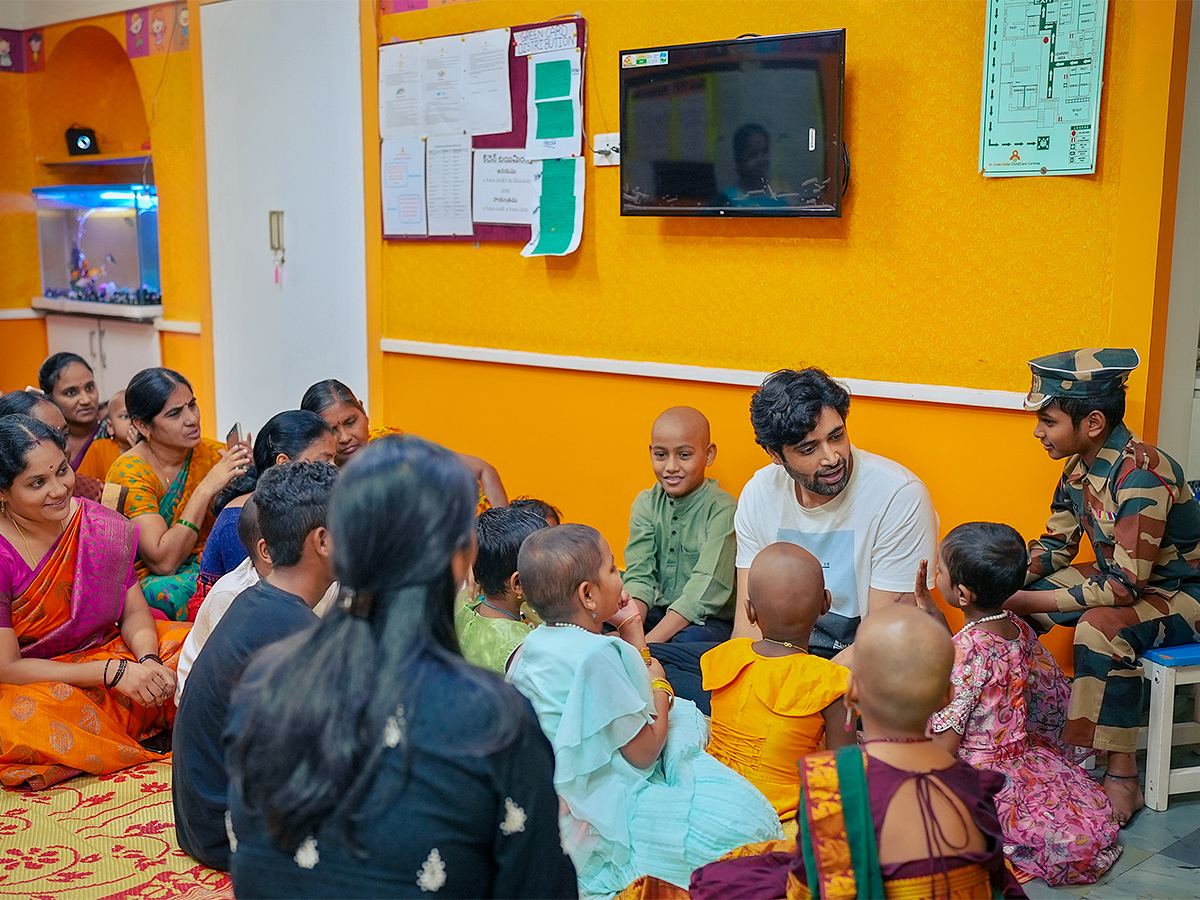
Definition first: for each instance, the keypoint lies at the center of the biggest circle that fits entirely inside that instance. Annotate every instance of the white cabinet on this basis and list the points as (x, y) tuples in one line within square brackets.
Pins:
[(116, 350)]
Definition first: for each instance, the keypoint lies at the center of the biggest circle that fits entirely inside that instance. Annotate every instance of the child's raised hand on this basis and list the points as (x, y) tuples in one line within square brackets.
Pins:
[(924, 599), (628, 619), (625, 611)]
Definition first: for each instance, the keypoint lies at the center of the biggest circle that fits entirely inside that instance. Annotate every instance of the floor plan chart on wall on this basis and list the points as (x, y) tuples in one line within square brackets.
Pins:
[(1042, 75)]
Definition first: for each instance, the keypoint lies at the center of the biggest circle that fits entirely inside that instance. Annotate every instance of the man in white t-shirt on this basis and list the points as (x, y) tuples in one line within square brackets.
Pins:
[(868, 520)]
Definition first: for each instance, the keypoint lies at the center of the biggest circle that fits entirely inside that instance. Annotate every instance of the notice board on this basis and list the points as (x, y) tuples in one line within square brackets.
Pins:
[(519, 63)]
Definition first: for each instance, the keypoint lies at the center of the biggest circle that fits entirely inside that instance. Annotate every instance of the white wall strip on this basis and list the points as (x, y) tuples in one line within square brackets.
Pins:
[(21, 312), (888, 390), (176, 326)]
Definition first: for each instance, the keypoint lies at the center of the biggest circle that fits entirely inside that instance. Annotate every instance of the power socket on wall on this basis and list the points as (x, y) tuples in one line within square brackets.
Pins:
[(606, 149)]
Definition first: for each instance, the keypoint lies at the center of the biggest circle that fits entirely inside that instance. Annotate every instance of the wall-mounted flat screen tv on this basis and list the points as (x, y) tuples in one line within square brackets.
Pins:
[(746, 127)]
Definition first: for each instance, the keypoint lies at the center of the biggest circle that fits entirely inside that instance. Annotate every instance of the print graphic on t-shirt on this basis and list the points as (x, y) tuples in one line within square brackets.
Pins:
[(835, 551)]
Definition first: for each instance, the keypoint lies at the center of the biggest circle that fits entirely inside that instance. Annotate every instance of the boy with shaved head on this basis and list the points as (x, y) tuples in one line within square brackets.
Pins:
[(679, 562), (771, 701)]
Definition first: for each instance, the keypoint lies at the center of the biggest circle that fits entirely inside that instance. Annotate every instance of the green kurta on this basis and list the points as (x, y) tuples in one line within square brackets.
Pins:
[(485, 642), (681, 552)]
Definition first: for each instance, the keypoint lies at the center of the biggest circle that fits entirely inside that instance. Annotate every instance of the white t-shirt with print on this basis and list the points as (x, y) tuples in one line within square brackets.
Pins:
[(873, 534)]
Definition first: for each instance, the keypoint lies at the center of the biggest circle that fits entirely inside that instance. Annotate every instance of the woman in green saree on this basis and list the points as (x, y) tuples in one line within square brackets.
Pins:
[(172, 473)]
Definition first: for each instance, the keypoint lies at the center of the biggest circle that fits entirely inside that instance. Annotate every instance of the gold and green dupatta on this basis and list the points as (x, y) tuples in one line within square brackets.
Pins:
[(837, 833)]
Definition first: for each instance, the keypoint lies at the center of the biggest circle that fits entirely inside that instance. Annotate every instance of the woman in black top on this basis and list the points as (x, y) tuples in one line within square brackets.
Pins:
[(366, 757)]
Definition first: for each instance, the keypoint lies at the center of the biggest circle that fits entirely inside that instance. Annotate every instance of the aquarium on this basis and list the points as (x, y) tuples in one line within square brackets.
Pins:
[(99, 242)]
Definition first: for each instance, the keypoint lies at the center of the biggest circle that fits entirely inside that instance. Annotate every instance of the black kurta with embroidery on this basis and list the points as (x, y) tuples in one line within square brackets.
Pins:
[(438, 820)]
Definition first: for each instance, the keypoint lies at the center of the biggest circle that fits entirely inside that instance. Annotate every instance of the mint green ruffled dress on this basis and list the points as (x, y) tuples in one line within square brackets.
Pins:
[(592, 695)]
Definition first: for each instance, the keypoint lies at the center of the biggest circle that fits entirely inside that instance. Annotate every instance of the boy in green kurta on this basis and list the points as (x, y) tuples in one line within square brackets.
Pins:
[(491, 628), (679, 562)]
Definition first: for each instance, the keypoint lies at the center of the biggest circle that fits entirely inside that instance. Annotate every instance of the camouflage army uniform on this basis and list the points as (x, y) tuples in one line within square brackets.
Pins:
[(1135, 508)]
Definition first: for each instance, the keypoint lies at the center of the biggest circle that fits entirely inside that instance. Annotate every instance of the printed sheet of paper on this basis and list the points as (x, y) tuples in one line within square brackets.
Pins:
[(442, 61), (400, 90), (450, 85), (502, 189), (448, 184), (560, 36), (402, 175), (555, 112), (558, 218), (486, 86), (1043, 68)]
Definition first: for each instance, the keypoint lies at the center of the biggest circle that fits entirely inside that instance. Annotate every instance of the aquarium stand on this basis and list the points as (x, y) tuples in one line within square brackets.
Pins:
[(131, 312)]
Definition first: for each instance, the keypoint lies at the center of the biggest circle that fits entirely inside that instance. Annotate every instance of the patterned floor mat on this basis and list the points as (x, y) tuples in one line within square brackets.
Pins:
[(110, 837)]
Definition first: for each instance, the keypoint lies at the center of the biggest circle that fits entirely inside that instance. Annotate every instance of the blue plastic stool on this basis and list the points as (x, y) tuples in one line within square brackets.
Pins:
[(1166, 667)]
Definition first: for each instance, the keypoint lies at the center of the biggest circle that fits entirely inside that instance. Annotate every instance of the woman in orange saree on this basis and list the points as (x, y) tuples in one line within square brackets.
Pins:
[(85, 671)]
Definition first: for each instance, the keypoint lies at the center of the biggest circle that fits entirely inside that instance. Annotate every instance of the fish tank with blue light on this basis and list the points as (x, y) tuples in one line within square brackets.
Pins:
[(99, 242)]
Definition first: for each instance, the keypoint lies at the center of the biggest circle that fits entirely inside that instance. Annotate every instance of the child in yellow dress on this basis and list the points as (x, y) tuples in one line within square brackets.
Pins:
[(771, 702)]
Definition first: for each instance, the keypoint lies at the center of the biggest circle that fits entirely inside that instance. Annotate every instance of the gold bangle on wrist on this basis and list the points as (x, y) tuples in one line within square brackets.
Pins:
[(661, 684), (645, 652)]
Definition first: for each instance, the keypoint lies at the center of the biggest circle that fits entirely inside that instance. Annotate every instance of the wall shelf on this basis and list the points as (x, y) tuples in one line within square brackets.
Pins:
[(124, 158), (131, 311)]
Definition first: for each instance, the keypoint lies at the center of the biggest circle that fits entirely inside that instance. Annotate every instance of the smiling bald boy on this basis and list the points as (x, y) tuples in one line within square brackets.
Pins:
[(679, 562)]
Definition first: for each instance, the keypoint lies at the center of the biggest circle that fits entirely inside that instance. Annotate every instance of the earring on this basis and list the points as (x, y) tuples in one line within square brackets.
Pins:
[(593, 614), (849, 718)]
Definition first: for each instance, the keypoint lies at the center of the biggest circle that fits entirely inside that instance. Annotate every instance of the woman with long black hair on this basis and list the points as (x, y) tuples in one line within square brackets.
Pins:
[(367, 758)]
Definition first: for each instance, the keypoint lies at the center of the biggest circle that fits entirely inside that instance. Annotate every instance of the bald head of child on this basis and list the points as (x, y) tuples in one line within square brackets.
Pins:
[(553, 563), (681, 450), (787, 595), (901, 675)]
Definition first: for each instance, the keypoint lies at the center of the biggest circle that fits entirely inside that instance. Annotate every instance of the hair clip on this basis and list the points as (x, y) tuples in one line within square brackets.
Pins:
[(355, 602)]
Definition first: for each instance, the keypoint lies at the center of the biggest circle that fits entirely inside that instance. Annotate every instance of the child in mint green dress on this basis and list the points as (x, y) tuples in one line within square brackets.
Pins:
[(639, 796), (492, 627)]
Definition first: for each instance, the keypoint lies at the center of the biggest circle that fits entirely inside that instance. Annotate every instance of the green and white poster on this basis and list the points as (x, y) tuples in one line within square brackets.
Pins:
[(1043, 70)]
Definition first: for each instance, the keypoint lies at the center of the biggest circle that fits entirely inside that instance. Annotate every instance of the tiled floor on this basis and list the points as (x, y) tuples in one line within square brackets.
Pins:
[(1161, 859)]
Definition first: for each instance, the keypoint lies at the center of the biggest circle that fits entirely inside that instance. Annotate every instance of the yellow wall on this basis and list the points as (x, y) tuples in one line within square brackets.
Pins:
[(127, 101), (933, 274), (923, 237)]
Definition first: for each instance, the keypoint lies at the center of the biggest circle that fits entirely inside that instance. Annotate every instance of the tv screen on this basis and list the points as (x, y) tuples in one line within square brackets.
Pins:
[(747, 127)]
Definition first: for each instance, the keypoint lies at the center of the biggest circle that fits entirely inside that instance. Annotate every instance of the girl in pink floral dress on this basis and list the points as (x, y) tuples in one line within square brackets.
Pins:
[(1008, 712)]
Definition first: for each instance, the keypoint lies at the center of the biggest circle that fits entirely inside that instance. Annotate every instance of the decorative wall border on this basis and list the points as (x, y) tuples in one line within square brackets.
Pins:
[(886, 390)]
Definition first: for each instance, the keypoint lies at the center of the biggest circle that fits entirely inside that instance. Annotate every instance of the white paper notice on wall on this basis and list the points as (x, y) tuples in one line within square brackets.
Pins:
[(447, 85), (442, 61), (486, 85), (448, 177), (545, 40), (403, 181), (400, 90), (502, 193), (554, 104)]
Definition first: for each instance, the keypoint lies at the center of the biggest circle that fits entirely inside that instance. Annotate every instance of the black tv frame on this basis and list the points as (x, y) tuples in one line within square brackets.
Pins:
[(837, 149)]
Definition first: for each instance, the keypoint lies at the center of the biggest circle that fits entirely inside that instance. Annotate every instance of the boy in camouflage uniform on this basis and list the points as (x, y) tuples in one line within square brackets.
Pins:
[(1133, 504)]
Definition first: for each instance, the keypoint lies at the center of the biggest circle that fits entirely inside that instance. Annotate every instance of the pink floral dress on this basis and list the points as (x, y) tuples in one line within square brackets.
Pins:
[(1010, 706)]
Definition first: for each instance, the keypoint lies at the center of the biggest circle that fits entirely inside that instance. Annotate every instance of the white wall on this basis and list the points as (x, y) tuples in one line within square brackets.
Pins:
[(283, 130), (1179, 428)]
